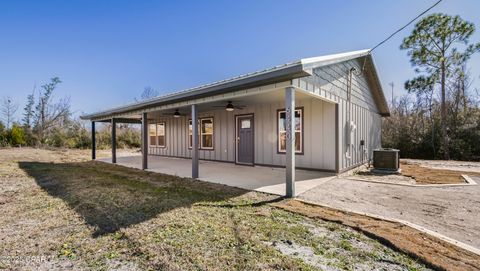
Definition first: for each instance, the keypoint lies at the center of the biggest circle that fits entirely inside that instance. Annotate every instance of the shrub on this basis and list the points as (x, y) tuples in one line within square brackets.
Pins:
[(16, 136)]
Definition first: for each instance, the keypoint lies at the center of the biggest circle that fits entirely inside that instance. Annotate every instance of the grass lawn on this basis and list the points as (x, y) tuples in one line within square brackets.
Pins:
[(71, 212)]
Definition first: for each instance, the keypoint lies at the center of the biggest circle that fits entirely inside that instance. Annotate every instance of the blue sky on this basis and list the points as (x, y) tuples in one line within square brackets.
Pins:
[(106, 52)]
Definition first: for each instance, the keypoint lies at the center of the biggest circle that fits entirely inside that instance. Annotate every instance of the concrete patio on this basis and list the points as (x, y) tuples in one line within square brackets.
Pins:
[(258, 178)]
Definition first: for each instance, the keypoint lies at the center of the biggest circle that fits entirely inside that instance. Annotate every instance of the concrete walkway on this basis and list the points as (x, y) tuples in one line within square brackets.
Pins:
[(450, 211), (264, 179)]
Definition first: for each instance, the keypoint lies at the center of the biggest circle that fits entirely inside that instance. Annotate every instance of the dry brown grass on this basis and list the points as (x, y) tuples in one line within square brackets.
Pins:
[(86, 215)]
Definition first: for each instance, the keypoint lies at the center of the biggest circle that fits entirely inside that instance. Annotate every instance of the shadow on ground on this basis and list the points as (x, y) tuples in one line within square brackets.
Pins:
[(110, 197)]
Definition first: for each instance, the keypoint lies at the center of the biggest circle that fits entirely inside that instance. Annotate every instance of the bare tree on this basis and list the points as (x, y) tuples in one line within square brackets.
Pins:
[(8, 110), (147, 93), (49, 114), (28, 109)]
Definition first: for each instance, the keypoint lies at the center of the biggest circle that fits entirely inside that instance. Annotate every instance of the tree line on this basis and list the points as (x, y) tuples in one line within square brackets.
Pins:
[(49, 122)]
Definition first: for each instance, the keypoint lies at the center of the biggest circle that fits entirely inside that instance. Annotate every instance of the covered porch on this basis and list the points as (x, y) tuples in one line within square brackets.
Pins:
[(305, 158), (258, 178)]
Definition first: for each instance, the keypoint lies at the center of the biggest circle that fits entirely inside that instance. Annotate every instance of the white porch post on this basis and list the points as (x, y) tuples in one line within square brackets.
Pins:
[(290, 141), (144, 141), (194, 141)]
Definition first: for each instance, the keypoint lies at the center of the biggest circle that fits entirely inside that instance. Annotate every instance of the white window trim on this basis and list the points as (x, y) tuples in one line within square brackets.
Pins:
[(164, 134), (150, 136), (156, 134), (200, 133), (300, 110)]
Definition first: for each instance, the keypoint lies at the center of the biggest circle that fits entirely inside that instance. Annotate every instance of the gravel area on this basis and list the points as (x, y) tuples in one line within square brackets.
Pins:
[(451, 211)]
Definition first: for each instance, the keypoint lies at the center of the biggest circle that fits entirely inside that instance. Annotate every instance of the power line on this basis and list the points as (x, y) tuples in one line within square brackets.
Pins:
[(403, 27)]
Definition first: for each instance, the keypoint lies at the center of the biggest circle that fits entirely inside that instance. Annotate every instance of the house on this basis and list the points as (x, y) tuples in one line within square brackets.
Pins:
[(319, 114)]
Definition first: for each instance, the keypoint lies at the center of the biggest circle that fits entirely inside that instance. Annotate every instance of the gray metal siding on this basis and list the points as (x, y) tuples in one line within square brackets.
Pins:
[(330, 82), (319, 135)]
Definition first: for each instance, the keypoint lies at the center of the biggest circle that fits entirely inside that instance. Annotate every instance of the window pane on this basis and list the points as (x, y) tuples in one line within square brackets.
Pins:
[(152, 129), (153, 140), (298, 120), (161, 129), (207, 141), (161, 141), (245, 124), (281, 121), (207, 126), (282, 141)]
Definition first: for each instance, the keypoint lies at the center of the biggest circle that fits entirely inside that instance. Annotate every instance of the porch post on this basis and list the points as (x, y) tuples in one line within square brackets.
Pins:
[(114, 141), (290, 141), (94, 145), (194, 141), (144, 141)]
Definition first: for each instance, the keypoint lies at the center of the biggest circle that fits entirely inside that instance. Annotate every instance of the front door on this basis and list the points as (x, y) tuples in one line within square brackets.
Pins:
[(245, 139)]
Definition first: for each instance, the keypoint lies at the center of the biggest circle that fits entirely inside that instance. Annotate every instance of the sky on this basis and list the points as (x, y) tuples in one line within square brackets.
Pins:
[(107, 52)]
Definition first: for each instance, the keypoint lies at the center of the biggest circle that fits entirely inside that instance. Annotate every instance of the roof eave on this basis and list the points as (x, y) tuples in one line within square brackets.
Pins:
[(282, 74), (386, 109)]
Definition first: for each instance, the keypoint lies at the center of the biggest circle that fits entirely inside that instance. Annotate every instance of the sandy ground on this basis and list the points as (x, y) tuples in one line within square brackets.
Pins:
[(439, 254), (451, 211), (450, 165), (382, 178), (420, 172), (63, 212)]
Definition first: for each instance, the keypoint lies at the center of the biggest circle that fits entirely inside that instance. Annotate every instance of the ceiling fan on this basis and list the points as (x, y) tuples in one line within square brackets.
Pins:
[(230, 107), (175, 114)]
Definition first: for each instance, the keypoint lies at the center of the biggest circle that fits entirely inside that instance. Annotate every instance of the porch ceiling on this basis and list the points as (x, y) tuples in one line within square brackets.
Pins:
[(274, 96)]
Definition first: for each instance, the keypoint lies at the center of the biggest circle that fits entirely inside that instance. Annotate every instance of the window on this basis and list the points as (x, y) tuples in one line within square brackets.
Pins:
[(152, 133), (282, 134), (205, 133), (156, 132), (161, 134), (190, 143), (245, 124)]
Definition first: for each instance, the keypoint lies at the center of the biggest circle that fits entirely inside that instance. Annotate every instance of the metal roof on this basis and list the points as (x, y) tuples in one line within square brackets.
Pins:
[(288, 71)]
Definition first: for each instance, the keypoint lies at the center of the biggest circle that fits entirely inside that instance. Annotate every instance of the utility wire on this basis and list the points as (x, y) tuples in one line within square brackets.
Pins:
[(403, 27)]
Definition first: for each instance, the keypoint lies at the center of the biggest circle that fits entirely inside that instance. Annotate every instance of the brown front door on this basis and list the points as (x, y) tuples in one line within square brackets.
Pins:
[(245, 139)]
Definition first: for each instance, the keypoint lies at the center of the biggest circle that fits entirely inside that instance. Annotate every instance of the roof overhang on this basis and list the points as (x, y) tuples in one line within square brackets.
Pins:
[(368, 68), (274, 75), (286, 72)]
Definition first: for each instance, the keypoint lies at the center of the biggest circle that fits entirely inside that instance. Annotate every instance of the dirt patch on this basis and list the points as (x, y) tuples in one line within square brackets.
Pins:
[(466, 166), (414, 172), (425, 175), (433, 251)]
